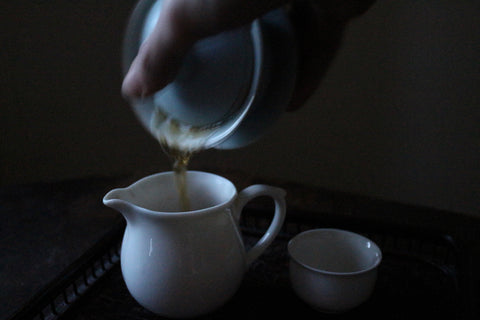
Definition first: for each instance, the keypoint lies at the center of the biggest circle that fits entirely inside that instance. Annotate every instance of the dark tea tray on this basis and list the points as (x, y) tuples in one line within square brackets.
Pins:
[(423, 274)]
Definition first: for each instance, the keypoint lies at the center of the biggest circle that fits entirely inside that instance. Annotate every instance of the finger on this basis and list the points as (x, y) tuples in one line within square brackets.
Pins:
[(157, 60), (180, 25)]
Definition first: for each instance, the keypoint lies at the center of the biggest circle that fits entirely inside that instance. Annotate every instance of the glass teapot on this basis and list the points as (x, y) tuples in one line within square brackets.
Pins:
[(230, 88)]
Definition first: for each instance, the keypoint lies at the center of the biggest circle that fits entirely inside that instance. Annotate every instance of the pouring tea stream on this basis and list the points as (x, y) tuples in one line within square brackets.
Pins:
[(182, 253), (230, 89)]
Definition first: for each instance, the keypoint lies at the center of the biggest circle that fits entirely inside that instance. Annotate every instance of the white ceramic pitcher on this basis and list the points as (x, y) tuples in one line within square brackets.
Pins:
[(184, 264)]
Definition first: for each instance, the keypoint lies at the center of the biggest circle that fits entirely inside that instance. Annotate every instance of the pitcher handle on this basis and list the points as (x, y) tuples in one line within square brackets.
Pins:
[(278, 196)]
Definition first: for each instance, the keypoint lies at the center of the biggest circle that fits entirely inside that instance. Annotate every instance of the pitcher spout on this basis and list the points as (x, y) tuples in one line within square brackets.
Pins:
[(117, 200)]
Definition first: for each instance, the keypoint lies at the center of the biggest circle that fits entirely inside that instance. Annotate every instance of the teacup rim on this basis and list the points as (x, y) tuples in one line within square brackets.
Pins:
[(335, 273)]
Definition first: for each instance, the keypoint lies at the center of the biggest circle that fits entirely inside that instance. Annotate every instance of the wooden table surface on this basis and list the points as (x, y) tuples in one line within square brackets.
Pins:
[(45, 227)]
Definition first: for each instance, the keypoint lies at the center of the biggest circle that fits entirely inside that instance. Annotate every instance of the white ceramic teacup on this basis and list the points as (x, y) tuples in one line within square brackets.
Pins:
[(333, 270)]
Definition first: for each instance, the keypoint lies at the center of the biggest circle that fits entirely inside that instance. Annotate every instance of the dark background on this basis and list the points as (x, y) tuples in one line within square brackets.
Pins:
[(397, 116)]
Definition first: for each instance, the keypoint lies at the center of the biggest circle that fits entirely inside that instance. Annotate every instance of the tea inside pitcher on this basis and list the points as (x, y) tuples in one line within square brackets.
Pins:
[(179, 141)]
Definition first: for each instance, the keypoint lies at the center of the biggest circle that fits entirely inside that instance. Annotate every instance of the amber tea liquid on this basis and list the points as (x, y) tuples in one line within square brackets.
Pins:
[(179, 142)]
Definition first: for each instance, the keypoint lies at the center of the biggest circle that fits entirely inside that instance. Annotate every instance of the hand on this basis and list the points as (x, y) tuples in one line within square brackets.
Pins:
[(180, 25), (319, 27)]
